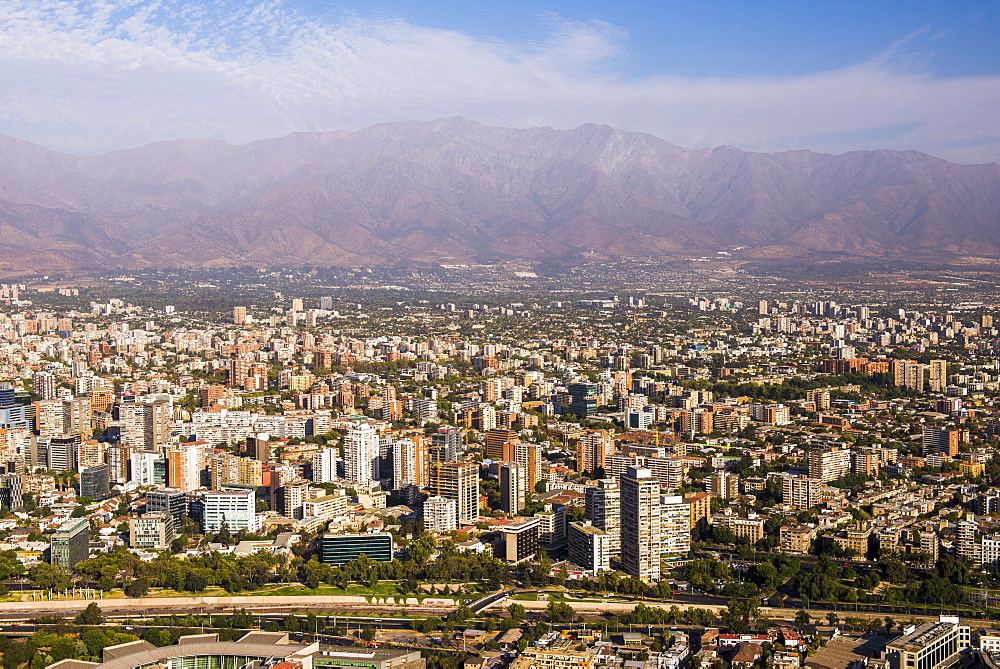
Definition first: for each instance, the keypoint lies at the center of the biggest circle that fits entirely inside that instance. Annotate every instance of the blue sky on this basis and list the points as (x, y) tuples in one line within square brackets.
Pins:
[(87, 76)]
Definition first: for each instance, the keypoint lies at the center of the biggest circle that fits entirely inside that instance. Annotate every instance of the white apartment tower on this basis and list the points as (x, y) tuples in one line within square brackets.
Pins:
[(641, 540)]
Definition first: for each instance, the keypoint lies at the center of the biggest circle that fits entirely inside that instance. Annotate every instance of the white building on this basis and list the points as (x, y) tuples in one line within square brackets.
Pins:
[(440, 514), (361, 452)]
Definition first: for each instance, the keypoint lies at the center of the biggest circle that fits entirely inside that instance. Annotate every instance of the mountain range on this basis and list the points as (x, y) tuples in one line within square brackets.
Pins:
[(454, 191)]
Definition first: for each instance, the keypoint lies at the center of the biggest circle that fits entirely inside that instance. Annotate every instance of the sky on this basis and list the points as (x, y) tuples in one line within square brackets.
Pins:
[(90, 76)]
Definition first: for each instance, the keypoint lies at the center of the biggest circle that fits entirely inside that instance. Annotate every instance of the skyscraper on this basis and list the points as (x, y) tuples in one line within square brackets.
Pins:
[(938, 375), (640, 524), (324, 465)]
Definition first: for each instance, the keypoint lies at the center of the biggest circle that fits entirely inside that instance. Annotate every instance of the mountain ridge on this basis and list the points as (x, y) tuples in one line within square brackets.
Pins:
[(454, 190)]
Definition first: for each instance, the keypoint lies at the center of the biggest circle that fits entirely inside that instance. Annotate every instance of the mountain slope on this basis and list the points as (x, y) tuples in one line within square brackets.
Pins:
[(454, 190)]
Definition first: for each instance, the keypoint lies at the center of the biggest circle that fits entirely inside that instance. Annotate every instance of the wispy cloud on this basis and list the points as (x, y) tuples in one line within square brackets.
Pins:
[(91, 75)]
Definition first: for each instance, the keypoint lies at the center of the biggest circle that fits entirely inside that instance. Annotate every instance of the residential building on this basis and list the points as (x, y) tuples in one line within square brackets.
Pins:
[(520, 540), (589, 547), (152, 530), (641, 541), (603, 510), (458, 481), (440, 514)]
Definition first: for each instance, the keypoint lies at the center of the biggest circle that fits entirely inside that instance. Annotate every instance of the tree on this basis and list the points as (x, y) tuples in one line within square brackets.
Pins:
[(137, 588), (802, 618), (832, 618), (91, 615), (517, 611)]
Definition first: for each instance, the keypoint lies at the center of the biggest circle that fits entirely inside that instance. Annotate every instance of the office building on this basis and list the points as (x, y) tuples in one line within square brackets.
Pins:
[(583, 399), (499, 445), (70, 544), (153, 531), (458, 481), (62, 452), (641, 541), (236, 509), (931, 645), (448, 441), (339, 549), (171, 502), (11, 491), (95, 482)]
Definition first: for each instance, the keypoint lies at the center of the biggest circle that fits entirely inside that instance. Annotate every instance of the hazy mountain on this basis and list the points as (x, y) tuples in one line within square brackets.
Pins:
[(454, 191)]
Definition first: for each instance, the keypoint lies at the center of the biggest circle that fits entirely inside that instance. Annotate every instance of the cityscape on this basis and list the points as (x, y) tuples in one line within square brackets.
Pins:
[(535, 334), (739, 469)]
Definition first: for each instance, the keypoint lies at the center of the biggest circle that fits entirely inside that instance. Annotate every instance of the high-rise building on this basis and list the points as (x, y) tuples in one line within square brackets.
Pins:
[(592, 449), (43, 384), (603, 510), (11, 491), (829, 463), (156, 423), (361, 453), (70, 544), (63, 450), (941, 440), (499, 445), (448, 442), (171, 502), (95, 482), (641, 541), (725, 485), (409, 462), (458, 481), (675, 525), (908, 374), (76, 415), (324, 465), (513, 487), (589, 547), (184, 466), (938, 375), (800, 491), (147, 468), (239, 315), (583, 399), (520, 540), (440, 514), (529, 456)]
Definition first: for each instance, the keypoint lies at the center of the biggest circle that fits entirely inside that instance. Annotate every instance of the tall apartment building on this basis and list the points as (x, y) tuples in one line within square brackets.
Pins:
[(499, 445), (409, 462), (675, 525), (76, 415), (185, 464), (801, 491), (941, 440), (529, 456), (156, 423), (589, 547), (829, 463), (908, 374), (592, 449), (458, 481), (239, 315), (361, 453), (513, 487), (520, 540), (440, 514), (641, 541), (324, 465), (724, 484), (819, 396), (603, 510), (938, 375)]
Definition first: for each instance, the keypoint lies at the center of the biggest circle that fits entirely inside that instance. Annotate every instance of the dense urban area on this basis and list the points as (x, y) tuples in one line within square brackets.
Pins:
[(636, 467)]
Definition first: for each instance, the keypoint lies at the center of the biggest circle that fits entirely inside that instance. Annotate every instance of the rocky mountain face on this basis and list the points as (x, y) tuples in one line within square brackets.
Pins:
[(454, 191)]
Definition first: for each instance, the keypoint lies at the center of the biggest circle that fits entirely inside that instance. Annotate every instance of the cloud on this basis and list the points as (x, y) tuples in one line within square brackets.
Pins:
[(87, 76)]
